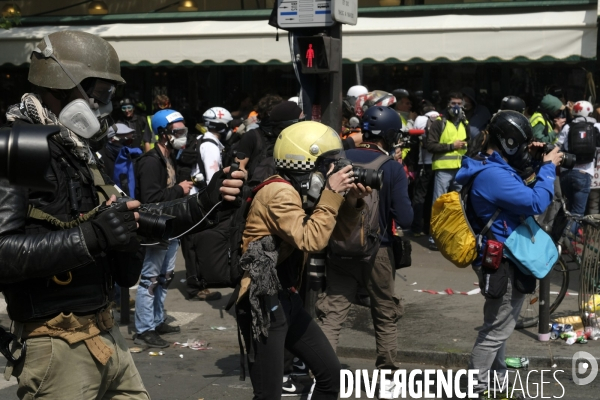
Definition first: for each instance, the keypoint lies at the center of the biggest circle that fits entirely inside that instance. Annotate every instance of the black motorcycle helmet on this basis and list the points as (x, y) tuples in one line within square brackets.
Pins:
[(511, 132), (512, 103), (382, 122)]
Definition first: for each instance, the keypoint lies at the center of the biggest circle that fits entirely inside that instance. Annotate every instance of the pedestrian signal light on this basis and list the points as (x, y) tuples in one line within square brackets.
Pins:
[(319, 54)]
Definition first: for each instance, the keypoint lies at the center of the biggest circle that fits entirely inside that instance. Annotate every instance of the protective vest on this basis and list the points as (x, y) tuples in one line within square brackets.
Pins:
[(90, 284), (452, 159), (538, 118)]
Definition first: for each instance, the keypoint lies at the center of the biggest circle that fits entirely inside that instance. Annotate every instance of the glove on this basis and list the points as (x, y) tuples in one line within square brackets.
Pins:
[(112, 229)]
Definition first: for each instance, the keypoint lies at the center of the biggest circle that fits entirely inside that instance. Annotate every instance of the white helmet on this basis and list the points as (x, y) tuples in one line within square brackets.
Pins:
[(217, 119), (582, 108), (294, 99), (356, 91)]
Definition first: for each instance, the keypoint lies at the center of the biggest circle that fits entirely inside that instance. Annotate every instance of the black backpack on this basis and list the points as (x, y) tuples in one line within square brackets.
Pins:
[(218, 250), (582, 141)]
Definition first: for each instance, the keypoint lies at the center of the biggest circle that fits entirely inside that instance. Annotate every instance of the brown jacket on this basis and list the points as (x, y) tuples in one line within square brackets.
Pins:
[(277, 210)]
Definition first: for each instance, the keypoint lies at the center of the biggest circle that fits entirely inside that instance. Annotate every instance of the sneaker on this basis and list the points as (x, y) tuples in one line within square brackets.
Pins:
[(299, 368), (165, 328), (151, 339), (289, 387), (206, 295), (432, 245)]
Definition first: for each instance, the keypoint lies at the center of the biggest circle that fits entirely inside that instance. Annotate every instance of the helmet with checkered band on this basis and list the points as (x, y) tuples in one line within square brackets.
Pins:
[(300, 145)]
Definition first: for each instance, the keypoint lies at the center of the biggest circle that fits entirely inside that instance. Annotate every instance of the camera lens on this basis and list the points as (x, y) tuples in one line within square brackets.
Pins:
[(368, 177), (155, 226)]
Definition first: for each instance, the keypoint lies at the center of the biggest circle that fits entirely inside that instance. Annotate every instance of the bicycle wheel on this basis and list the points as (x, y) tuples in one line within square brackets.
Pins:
[(559, 283)]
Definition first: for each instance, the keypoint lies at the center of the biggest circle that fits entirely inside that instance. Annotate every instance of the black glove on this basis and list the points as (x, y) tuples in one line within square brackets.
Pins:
[(112, 229)]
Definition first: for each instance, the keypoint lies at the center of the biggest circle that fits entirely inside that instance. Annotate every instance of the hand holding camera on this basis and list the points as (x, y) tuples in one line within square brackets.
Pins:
[(340, 181), (115, 225)]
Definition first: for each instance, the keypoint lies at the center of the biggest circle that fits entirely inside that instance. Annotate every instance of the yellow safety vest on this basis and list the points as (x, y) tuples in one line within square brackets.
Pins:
[(149, 118), (452, 159), (538, 118)]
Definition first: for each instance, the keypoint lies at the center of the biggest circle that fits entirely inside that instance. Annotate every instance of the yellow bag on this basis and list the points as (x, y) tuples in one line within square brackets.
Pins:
[(451, 230)]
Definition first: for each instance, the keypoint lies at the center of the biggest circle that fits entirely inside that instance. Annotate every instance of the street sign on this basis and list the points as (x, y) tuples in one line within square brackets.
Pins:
[(304, 13), (345, 11)]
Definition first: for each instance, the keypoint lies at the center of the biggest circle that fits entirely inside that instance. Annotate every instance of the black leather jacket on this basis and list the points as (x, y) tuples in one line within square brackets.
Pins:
[(31, 252)]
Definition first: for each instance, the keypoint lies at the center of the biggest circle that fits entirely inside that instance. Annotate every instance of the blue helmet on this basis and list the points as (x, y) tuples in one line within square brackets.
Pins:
[(163, 118), (382, 122)]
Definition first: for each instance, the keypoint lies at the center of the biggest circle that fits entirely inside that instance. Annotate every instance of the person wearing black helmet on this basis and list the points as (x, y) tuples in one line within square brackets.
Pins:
[(143, 136), (513, 103), (381, 129), (499, 194)]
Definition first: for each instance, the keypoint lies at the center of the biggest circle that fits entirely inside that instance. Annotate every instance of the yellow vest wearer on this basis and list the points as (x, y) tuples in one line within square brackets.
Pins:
[(404, 122), (453, 159), (538, 118), (149, 118)]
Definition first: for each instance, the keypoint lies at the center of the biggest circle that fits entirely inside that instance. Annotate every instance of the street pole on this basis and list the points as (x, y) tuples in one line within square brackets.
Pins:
[(544, 310), (330, 87)]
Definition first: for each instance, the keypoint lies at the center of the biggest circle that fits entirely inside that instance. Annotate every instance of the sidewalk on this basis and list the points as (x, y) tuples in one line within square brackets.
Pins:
[(436, 329)]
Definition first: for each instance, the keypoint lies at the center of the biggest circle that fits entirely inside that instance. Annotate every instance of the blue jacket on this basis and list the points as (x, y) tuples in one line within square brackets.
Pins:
[(498, 185), (394, 202)]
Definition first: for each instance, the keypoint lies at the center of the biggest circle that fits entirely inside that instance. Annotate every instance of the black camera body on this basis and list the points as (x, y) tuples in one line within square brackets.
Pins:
[(368, 177), (152, 226), (568, 161)]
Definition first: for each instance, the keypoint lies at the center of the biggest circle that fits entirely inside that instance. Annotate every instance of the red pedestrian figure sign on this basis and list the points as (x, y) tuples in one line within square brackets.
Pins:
[(310, 54)]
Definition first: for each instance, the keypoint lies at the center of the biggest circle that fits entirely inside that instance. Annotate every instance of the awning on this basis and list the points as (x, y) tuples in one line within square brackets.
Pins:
[(543, 36)]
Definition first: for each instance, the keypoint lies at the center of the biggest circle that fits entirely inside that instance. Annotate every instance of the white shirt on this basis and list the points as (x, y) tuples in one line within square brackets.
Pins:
[(563, 143), (211, 156)]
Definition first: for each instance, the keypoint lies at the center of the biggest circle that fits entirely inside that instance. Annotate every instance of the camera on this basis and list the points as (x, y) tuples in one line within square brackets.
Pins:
[(151, 226), (368, 177), (568, 161), (25, 155)]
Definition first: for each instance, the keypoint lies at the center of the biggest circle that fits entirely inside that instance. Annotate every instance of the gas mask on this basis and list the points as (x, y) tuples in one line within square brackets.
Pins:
[(454, 111), (310, 186)]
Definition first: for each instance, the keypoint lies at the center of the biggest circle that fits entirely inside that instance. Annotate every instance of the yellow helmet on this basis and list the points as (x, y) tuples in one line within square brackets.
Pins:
[(299, 145)]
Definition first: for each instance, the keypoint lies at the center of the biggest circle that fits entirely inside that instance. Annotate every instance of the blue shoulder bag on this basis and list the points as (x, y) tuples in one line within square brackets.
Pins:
[(531, 249)]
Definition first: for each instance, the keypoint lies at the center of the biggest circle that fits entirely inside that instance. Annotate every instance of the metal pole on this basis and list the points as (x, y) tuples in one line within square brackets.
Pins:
[(544, 310), (330, 94)]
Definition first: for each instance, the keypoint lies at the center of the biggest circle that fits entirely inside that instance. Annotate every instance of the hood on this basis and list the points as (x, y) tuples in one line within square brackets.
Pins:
[(470, 167), (551, 104), (470, 93)]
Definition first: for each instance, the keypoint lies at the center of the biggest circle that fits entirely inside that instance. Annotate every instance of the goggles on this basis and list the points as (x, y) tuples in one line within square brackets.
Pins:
[(102, 91), (127, 108), (178, 132)]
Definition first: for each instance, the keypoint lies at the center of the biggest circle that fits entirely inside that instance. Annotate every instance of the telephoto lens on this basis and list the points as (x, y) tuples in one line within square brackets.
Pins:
[(368, 177), (568, 161), (152, 226)]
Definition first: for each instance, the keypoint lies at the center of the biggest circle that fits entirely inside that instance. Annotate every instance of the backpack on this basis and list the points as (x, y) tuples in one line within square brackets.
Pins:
[(363, 241), (582, 141), (218, 250), (451, 230), (187, 159)]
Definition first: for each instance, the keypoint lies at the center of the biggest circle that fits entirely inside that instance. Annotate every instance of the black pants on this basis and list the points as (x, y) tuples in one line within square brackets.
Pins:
[(194, 282), (422, 199), (293, 329)]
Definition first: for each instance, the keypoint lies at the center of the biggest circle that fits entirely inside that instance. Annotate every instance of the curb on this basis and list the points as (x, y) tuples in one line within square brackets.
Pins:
[(448, 359)]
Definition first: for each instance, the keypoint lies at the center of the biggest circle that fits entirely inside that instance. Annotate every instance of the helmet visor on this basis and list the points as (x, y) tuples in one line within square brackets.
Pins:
[(102, 91)]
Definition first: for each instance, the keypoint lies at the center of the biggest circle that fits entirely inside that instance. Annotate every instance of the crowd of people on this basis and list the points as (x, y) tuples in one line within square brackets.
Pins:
[(69, 257)]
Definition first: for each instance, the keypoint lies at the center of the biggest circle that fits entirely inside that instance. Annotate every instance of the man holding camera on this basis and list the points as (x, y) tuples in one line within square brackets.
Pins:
[(155, 176), (61, 252), (381, 129)]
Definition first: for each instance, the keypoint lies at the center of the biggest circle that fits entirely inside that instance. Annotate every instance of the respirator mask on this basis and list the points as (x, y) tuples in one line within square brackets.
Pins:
[(309, 186), (89, 117), (178, 137)]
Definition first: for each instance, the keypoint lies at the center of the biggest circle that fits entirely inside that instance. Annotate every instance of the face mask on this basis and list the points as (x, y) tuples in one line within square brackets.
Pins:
[(454, 111), (315, 188), (178, 143), (228, 135), (78, 117)]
